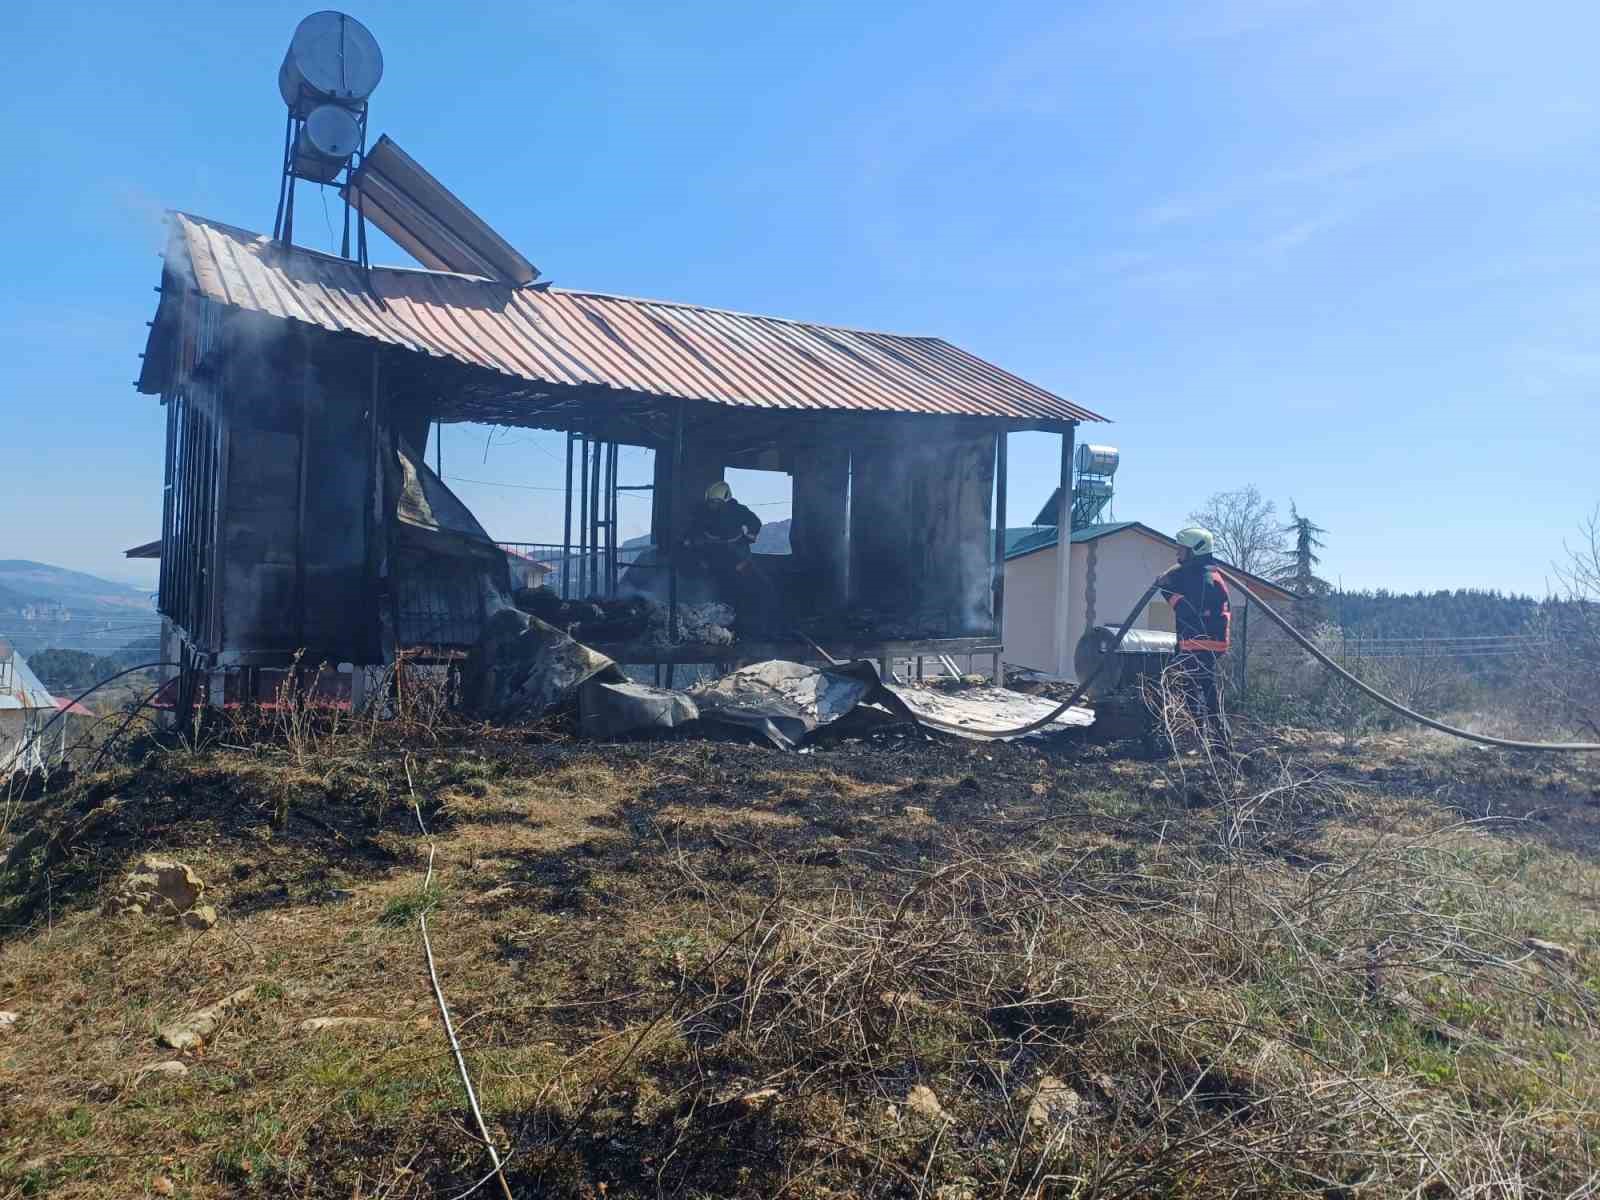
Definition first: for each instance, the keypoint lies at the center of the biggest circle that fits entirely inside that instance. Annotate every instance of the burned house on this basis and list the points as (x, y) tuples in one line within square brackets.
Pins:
[(300, 517)]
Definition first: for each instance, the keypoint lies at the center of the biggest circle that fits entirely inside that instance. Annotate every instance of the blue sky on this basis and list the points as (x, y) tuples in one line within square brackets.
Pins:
[(1344, 252)]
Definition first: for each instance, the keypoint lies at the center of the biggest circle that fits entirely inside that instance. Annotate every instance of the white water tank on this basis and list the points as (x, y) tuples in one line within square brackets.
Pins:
[(332, 56), (328, 138), (1098, 460)]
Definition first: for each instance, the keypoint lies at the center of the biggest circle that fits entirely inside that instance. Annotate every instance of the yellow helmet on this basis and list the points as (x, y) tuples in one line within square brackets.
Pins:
[(1197, 539), (719, 492)]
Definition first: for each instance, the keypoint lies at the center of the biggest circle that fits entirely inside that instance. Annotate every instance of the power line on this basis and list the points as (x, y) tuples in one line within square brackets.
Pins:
[(525, 487)]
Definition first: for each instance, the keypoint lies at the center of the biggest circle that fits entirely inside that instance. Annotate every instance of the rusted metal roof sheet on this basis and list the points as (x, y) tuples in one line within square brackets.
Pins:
[(567, 337)]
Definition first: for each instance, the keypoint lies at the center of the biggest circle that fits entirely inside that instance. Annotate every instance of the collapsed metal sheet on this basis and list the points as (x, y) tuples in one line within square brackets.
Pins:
[(788, 702), (988, 711), (607, 710), (522, 668)]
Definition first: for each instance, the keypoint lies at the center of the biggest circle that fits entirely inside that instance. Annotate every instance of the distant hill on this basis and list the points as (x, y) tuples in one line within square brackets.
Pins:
[(24, 582), (1462, 612), (773, 539), (44, 606)]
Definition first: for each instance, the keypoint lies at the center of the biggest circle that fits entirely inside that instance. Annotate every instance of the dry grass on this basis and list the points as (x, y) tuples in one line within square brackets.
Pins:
[(698, 970)]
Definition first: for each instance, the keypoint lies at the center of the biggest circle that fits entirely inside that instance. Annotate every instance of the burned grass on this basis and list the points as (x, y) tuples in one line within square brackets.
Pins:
[(888, 969)]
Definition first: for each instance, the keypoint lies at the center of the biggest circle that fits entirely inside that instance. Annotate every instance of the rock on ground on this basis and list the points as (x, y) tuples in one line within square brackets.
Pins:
[(170, 1069), (188, 1032), (1053, 1102), (922, 1101), (201, 916), (319, 1024), (160, 887)]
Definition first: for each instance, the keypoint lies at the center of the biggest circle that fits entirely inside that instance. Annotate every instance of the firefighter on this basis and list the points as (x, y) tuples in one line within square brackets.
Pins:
[(721, 533), (1199, 599)]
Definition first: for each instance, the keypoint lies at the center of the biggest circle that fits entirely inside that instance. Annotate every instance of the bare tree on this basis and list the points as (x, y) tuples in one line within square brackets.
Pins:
[(1245, 524), (1566, 666)]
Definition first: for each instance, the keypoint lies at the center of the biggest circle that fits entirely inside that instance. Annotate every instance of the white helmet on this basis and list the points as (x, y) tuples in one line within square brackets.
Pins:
[(1197, 539)]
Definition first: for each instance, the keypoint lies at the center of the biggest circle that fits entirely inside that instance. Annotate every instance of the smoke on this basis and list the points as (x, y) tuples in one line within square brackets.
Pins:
[(149, 226)]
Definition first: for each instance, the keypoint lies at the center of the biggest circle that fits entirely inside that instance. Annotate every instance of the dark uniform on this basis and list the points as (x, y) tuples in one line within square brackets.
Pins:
[(1200, 607), (728, 521), (721, 535)]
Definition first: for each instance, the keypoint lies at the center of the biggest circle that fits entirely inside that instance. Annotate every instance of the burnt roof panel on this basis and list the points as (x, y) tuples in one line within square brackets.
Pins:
[(560, 336)]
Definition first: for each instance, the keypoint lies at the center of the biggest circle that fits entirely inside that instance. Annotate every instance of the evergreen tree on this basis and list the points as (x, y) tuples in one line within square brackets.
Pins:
[(1299, 570)]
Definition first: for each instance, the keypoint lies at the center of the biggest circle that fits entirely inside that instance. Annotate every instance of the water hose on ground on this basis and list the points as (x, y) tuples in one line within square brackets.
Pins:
[(1077, 693), (1393, 705), (1305, 644)]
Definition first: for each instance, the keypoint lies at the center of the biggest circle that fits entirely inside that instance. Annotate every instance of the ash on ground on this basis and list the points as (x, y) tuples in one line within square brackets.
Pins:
[(698, 625), (628, 619)]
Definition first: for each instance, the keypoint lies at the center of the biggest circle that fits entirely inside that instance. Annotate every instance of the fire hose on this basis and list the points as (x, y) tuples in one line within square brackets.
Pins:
[(1389, 702), (1305, 644)]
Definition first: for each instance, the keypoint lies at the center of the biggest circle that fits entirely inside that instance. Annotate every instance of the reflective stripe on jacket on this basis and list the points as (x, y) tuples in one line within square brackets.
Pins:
[(1200, 605)]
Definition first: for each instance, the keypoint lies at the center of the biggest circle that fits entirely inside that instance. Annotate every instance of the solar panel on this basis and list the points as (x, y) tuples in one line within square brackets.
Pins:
[(426, 220)]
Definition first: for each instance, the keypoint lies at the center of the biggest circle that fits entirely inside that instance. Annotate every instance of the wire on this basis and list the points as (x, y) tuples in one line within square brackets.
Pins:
[(526, 487), (323, 188), (43, 729), (438, 995)]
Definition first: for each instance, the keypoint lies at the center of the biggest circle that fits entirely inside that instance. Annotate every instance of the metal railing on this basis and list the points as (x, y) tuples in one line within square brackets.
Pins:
[(573, 574)]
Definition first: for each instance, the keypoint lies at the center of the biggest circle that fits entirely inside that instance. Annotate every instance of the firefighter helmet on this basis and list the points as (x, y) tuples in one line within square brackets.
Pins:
[(1197, 539), (719, 492)]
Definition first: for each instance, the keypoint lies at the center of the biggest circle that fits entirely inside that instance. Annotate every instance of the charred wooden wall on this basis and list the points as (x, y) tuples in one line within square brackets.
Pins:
[(890, 514), (920, 515), (277, 478)]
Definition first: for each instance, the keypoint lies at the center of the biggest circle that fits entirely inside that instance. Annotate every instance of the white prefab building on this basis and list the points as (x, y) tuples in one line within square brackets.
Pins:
[(1111, 567), (25, 706)]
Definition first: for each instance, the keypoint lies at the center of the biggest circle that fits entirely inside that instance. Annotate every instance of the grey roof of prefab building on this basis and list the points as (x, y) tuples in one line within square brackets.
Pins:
[(1030, 539)]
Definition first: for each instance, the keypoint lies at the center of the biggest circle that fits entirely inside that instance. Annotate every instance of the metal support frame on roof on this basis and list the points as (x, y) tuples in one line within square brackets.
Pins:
[(293, 129)]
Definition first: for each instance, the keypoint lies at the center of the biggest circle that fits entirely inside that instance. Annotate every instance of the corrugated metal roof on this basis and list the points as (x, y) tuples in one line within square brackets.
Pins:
[(1028, 539), (19, 686), (566, 337)]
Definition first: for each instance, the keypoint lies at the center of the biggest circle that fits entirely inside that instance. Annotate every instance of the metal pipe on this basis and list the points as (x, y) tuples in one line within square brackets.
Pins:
[(998, 576), (595, 520), (583, 507), (285, 180), (674, 492), (566, 529), (1064, 644), (611, 518)]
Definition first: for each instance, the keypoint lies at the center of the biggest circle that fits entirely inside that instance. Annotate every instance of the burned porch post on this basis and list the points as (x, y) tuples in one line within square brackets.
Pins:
[(566, 530), (583, 512), (1063, 613), (819, 535), (1000, 553)]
